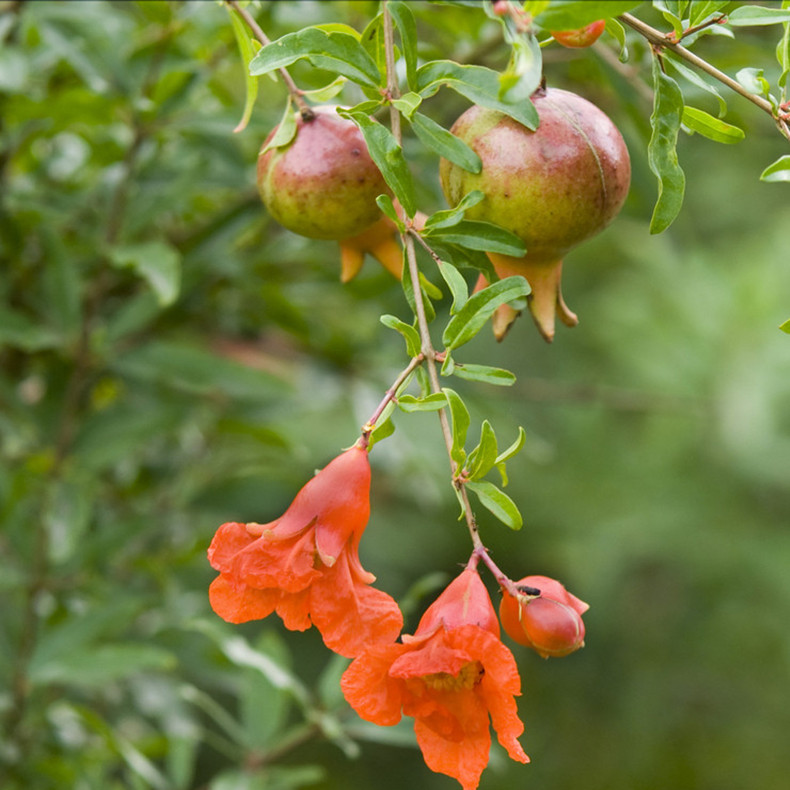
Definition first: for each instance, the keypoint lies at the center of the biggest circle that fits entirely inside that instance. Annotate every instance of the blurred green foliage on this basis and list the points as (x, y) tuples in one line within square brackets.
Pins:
[(171, 359)]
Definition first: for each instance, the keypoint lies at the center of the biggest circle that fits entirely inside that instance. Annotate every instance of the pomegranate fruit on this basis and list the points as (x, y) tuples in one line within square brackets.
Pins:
[(324, 185), (553, 187), (581, 37)]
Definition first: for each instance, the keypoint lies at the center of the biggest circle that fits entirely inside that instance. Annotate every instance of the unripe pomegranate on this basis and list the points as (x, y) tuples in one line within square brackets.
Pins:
[(582, 37), (545, 617), (324, 185), (553, 187)]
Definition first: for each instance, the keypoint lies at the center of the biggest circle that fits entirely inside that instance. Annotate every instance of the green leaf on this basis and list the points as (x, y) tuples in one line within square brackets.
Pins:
[(524, 71), (702, 9), (19, 331), (384, 202), (157, 263), (384, 427), (432, 402), (484, 373), (247, 52), (285, 131), (506, 455), (483, 236), (407, 104), (98, 665), (713, 128), (389, 159), (410, 334), (483, 457), (662, 149), (785, 326), (322, 95), (778, 170), (571, 14), (672, 13), (456, 283), (497, 502), (459, 417), (452, 216), (695, 79), (445, 143), (372, 39), (749, 15), (478, 84), (334, 51), (404, 20), (752, 79), (617, 32), (481, 306)]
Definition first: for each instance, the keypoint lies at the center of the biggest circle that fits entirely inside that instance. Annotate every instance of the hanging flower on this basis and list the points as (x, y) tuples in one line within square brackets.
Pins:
[(305, 565), (451, 676), (544, 616)]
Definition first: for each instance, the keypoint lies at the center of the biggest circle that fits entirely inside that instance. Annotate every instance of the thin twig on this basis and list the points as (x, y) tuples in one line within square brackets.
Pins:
[(304, 108), (662, 40)]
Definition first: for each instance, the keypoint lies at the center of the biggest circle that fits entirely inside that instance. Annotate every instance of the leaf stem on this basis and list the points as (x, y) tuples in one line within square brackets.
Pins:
[(304, 108), (407, 239), (662, 40)]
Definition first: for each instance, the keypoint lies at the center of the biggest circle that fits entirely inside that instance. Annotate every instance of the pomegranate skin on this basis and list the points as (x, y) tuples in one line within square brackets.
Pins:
[(323, 184), (554, 187)]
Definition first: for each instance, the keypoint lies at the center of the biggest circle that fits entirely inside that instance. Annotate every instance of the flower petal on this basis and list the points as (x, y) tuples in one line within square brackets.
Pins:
[(294, 609), (227, 542), (369, 689), (238, 603), (349, 613)]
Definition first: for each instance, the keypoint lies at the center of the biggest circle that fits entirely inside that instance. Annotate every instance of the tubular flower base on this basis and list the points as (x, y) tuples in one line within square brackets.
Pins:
[(550, 623), (451, 676), (305, 565)]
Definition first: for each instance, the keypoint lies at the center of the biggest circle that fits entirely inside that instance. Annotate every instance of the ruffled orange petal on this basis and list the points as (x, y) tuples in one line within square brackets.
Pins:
[(239, 603), (349, 613), (464, 760), (369, 689), (432, 657), (294, 609), (227, 542)]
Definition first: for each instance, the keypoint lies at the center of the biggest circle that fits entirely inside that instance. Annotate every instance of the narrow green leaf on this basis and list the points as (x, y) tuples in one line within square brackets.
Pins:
[(749, 15), (662, 149), (334, 51), (497, 502), (408, 292), (483, 457), (459, 417), (484, 373), (504, 457), (701, 9), (695, 79), (570, 14), (617, 32), (388, 156), (285, 130), (671, 12), (408, 103), (713, 128), (445, 143), (481, 306), (384, 202), (778, 170), (372, 40), (478, 84), (456, 283), (432, 402), (448, 366), (410, 334), (452, 216), (157, 263), (247, 53), (323, 95), (384, 428), (524, 71), (483, 236), (785, 326), (404, 21), (752, 79)]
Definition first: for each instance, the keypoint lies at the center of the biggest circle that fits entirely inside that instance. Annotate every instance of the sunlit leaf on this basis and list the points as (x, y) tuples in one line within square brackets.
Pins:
[(483, 457), (748, 15), (483, 236), (445, 143), (285, 131), (778, 170), (409, 333), (432, 402), (484, 373), (404, 20), (452, 216), (497, 502), (713, 128), (460, 420), (247, 52)]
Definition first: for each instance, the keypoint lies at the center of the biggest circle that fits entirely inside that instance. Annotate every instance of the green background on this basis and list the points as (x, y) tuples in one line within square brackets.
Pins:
[(150, 393)]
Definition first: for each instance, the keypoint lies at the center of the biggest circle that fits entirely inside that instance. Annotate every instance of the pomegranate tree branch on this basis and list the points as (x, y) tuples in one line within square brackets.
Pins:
[(665, 41), (304, 108), (428, 351)]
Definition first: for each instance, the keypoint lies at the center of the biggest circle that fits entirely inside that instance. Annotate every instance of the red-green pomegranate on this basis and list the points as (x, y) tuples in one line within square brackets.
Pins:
[(553, 187), (324, 185)]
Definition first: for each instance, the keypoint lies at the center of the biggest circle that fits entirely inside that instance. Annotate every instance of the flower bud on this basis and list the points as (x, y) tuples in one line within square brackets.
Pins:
[(549, 622)]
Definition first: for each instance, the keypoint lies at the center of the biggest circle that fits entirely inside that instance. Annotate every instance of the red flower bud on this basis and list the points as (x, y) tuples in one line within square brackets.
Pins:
[(550, 623)]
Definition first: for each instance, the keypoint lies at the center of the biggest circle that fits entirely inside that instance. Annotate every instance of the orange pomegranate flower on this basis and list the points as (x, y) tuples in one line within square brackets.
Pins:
[(451, 676), (305, 565)]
